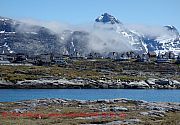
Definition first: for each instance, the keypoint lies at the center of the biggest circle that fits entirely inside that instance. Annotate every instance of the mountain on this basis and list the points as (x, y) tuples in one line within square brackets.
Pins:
[(172, 29), (107, 18), (168, 41), (108, 35), (77, 43), (17, 37)]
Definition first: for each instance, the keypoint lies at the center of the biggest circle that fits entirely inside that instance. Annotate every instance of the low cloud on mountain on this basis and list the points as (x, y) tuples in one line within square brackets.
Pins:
[(100, 39), (107, 35), (150, 31)]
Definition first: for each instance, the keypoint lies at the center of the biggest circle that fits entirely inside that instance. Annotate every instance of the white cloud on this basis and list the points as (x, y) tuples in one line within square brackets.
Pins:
[(101, 39), (150, 31)]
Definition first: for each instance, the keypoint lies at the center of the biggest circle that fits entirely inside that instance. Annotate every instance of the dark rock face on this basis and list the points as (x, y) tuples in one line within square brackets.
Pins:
[(18, 37), (172, 29), (107, 18), (6, 25), (77, 43), (38, 40), (169, 41)]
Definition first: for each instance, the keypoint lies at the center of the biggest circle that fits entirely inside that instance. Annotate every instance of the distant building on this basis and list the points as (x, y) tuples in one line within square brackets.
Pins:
[(113, 55), (178, 60), (58, 59), (123, 57), (20, 58), (162, 59), (132, 55), (151, 54), (143, 58), (169, 55), (44, 59), (94, 55), (33, 59), (2, 62), (3, 57), (8, 57)]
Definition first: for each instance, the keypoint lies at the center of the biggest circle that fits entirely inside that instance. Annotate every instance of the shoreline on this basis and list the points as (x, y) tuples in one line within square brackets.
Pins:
[(79, 83), (98, 74), (101, 88)]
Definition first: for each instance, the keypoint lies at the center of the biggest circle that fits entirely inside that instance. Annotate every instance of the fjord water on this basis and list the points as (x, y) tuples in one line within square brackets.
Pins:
[(9, 95)]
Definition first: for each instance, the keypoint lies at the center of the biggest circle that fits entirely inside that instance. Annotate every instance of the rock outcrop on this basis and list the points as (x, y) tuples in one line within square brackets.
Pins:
[(89, 83)]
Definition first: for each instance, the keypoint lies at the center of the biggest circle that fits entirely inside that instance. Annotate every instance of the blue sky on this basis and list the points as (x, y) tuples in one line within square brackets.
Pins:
[(148, 12)]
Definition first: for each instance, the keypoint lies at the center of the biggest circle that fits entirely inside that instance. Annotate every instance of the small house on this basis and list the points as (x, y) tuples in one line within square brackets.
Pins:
[(45, 59), (58, 59), (123, 57), (20, 58), (162, 59), (113, 55), (3, 62), (8, 57), (94, 55), (3, 57), (143, 58), (33, 59), (169, 55), (151, 54), (132, 55), (178, 60)]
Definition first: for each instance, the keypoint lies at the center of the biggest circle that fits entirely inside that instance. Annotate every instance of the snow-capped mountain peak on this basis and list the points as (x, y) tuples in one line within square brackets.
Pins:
[(172, 29), (107, 18), (108, 32), (167, 40)]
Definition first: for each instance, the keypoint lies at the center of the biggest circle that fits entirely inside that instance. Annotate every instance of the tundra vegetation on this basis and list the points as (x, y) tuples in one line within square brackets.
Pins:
[(79, 112), (93, 69)]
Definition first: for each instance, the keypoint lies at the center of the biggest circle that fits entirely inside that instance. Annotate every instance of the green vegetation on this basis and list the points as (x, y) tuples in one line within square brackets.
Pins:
[(130, 78), (92, 69), (170, 118)]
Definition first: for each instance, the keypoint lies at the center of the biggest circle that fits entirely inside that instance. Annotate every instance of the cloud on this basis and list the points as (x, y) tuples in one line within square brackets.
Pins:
[(150, 31), (54, 26), (108, 41), (102, 38)]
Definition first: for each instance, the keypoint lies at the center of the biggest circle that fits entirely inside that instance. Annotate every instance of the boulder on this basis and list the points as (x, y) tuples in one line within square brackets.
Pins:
[(120, 108), (151, 81), (22, 110), (140, 84), (153, 113), (132, 121), (115, 123)]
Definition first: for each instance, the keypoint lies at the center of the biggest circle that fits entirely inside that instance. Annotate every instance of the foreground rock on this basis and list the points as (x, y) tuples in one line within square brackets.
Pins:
[(105, 112)]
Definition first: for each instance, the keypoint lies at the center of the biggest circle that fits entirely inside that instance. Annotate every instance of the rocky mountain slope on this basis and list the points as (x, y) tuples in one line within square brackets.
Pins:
[(168, 41), (14, 38), (18, 37)]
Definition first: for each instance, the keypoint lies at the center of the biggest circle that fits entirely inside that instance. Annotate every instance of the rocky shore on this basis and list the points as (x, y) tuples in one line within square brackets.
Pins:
[(87, 74), (79, 83), (105, 112)]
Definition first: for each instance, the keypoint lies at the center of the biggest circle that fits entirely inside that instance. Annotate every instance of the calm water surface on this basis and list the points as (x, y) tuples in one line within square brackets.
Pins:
[(8, 95)]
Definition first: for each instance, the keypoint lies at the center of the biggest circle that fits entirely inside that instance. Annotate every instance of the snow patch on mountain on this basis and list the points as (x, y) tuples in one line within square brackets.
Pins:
[(146, 38), (2, 31), (107, 34), (6, 48)]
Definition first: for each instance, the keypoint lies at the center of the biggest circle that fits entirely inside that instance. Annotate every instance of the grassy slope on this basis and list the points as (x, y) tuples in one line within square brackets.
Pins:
[(99, 69)]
